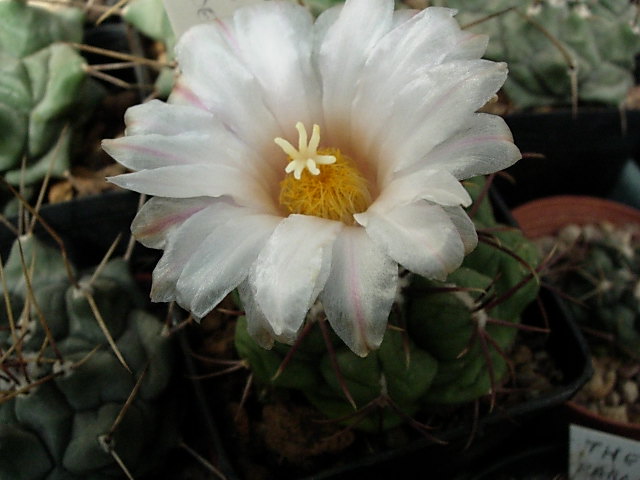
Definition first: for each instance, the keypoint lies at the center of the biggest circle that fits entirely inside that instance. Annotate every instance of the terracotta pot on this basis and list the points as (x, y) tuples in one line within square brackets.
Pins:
[(546, 216), (583, 416)]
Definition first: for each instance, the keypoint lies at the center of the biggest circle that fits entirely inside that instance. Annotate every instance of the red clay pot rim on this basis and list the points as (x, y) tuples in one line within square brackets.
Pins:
[(586, 417), (547, 215)]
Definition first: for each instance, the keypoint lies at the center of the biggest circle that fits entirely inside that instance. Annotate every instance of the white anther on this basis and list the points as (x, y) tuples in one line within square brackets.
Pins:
[(306, 155)]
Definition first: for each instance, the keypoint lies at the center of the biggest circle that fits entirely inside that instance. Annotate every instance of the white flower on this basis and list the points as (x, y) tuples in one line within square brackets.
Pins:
[(390, 99)]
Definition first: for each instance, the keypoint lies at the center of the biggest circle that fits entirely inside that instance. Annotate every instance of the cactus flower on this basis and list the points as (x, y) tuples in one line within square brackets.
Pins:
[(303, 161)]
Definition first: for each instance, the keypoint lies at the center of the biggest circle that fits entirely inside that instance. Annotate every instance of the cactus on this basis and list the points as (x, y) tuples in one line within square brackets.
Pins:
[(45, 94), (543, 40), (150, 18), (450, 348), (62, 387), (599, 268)]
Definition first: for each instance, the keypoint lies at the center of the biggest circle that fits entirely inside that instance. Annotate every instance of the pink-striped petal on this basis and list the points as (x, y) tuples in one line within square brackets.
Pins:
[(183, 243), (483, 145), (360, 290), (159, 217), (153, 150), (188, 181), (166, 119), (449, 94), (214, 76)]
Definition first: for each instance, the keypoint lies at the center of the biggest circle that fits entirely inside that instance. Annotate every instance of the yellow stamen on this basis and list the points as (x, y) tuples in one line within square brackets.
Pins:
[(335, 192)]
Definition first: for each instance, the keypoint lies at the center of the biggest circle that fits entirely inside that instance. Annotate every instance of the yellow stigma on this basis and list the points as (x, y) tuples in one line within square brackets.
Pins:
[(335, 192)]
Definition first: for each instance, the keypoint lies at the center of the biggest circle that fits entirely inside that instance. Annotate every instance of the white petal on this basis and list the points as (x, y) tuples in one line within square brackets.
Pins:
[(223, 261), (188, 181), (274, 41), (257, 324), (469, 46), (420, 237), (165, 119), (142, 152), (484, 145), (159, 217), (465, 226), (342, 55), (448, 94), (423, 41), (182, 244), (292, 269), (322, 25), (217, 78), (403, 15), (436, 186), (360, 290)]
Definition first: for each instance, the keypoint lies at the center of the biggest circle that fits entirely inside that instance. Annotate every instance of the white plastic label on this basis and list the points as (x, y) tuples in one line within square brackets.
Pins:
[(598, 455), (184, 14)]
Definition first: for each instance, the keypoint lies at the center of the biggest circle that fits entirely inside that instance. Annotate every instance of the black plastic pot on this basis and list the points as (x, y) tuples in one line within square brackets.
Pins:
[(584, 155), (544, 461), (87, 226)]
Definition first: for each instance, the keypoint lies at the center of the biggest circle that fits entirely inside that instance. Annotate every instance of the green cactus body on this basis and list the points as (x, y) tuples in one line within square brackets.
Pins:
[(438, 357), (597, 35), (149, 18), (53, 429), (45, 94), (600, 269)]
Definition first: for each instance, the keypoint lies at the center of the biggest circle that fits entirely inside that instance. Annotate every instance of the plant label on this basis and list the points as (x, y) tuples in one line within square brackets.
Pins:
[(184, 14), (599, 455)]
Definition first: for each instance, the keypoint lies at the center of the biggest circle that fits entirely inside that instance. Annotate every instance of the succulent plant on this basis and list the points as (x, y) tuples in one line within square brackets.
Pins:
[(63, 387), (150, 19), (599, 269), (543, 40), (45, 93), (449, 348)]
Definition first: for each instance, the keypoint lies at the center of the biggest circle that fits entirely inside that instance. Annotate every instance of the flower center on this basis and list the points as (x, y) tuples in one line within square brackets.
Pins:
[(335, 192)]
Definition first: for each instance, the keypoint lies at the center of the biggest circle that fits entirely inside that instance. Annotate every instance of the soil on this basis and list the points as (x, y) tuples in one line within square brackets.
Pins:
[(613, 390)]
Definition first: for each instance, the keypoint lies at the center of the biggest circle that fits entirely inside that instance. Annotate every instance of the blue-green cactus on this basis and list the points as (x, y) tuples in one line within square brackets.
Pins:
[(542, 40), (149, 18), (45, 92), (62, 387), (599, 268)]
